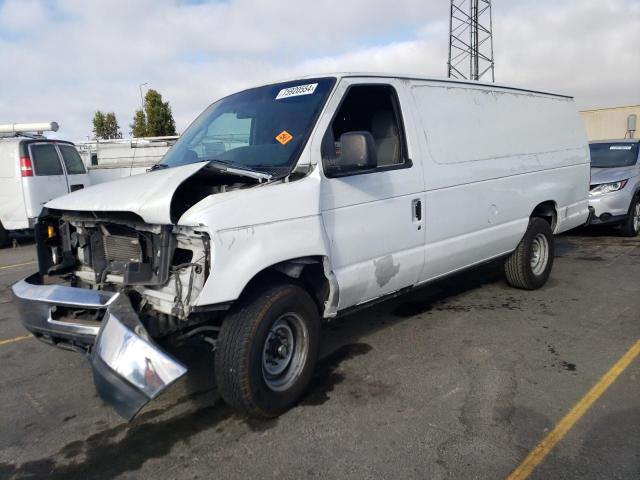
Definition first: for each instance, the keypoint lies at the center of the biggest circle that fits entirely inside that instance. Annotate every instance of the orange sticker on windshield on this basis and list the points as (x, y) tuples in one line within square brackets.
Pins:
[(284, 137)]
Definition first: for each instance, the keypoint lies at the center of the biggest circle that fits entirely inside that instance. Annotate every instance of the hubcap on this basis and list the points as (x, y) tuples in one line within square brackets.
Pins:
[(539, 254), (285, 352), (636, 217)]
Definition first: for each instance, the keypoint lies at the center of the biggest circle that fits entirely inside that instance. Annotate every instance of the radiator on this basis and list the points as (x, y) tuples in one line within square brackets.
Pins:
[(120, 248)]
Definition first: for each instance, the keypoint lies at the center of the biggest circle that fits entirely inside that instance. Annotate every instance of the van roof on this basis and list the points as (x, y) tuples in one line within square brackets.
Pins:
[(31, 139), (405, 76), (23, 142)]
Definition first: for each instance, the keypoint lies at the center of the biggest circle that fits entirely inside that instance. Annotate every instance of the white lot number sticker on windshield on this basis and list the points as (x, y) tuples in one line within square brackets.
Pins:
[(297, 91), (620, 147)]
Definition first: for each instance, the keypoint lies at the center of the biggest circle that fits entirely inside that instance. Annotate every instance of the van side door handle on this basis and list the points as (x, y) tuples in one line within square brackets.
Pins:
[(416, 207)]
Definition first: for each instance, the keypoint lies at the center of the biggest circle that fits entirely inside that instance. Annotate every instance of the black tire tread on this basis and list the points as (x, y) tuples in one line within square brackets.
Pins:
[(516, 265), (626, 229), (238, 329)]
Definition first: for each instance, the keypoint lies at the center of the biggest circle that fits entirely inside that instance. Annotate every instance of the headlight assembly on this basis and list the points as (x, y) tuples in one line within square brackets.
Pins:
[(607, 187)]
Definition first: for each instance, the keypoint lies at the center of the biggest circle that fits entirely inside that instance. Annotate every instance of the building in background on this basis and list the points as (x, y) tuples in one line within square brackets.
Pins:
[(611, 123)]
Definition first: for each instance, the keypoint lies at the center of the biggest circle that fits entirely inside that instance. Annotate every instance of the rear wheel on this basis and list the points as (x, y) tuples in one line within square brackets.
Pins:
[(267, 350), (4, 237), (631, 227), (530, 264)]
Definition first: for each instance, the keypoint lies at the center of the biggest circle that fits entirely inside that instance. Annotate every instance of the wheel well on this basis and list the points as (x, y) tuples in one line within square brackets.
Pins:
[(547, 211), (306, 272)]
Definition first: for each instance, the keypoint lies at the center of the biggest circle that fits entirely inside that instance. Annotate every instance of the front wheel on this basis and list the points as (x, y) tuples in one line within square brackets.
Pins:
[(529, 265), (267, 350), (631, 227)]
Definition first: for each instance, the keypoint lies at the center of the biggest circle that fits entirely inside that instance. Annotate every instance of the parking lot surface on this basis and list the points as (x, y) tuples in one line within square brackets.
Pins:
[(460, 379)]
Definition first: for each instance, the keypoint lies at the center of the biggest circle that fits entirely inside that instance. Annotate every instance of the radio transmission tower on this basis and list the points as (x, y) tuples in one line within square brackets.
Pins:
[(470, 40)]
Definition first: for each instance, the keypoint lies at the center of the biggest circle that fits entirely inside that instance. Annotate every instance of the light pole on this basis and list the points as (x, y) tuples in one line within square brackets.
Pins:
[(141, 97)]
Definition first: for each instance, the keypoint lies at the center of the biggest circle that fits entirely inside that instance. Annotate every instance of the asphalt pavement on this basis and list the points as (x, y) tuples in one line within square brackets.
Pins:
[(458, 380)]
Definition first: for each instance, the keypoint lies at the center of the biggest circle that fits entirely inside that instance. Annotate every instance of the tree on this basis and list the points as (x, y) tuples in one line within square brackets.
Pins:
[(98, 124), (156, 120), (105, 126), (139, 125), (111, 127)]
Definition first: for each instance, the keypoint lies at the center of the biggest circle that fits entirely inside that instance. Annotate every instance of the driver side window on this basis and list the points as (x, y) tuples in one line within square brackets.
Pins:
[(371, 110)]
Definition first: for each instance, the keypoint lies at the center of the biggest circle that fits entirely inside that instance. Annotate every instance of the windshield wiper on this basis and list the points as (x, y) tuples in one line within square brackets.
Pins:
[(231, 167), (157, 166), (216, 160)]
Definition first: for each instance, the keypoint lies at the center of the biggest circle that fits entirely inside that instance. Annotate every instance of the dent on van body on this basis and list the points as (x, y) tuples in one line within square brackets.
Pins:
[(254, 229), (148, 195)]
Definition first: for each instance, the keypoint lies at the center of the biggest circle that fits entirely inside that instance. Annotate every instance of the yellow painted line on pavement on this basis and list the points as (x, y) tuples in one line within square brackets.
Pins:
[(14, 340), (543, 448), (17, 265)]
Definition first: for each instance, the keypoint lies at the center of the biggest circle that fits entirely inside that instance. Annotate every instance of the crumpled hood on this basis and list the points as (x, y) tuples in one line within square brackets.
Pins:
[(608, 175), (147, 195)]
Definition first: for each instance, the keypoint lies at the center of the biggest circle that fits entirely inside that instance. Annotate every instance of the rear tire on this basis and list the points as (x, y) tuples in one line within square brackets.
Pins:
[(4, 237), (631, 227), (267, 350), (529, 265)]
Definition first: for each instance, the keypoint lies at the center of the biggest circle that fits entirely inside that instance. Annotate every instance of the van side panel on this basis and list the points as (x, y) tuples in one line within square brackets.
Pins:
[(490, 156), (254, 229), (12, 210), (376, 242)]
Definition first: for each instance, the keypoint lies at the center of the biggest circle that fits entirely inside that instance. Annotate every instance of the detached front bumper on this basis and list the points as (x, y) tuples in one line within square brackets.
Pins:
[(129, 369), (38, 303)]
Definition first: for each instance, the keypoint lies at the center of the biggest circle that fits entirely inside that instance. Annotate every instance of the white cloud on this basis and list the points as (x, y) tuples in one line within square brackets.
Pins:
[(77, 56), (585, 48), (16, 15)]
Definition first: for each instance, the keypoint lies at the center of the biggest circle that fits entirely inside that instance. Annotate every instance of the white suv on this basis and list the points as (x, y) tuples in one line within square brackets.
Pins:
[(614, 196)]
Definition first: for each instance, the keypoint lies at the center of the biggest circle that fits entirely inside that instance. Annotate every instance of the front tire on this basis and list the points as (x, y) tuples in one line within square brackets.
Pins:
[(529, 265), (4, 237), (267, 350), (631, 227)]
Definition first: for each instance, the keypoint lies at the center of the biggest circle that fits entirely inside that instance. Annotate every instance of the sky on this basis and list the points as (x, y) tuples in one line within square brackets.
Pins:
[(61, 60)]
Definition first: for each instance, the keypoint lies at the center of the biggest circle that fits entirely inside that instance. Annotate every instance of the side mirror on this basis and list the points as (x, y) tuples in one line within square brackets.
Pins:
[(357, 152)]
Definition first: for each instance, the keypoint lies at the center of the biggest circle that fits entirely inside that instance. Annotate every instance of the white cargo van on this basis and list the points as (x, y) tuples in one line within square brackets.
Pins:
[(34, 170), (292, 202)]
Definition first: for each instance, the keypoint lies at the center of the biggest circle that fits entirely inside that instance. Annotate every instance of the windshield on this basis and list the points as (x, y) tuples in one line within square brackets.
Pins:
[(611, 155), (262, 129)]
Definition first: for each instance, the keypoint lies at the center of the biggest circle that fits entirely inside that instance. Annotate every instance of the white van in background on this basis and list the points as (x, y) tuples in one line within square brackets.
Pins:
[(292, 202), (34, 170), (112, 159)]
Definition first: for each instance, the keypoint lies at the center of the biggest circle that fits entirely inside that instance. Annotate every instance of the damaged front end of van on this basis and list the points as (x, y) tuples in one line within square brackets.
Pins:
[(120, 279), (127, 271)]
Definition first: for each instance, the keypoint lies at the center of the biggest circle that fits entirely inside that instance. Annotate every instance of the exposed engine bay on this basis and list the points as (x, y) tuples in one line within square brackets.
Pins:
[(210, 180), (161, 268)]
